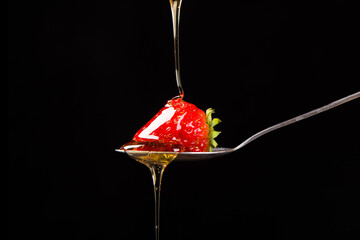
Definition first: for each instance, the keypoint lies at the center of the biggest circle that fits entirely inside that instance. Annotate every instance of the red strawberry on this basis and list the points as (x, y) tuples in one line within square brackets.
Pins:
[(179, 125)]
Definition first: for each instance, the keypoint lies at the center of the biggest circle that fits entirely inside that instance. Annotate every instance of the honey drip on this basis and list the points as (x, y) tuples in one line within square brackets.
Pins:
[(175, 10), (156, 156)]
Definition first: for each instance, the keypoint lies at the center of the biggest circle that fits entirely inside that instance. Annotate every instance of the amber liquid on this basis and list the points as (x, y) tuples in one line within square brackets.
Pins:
[(175, 10), (153, 159), (156, 160), (152, 153)]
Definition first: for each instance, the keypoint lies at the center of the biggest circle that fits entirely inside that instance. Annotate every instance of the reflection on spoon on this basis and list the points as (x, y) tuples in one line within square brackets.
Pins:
[(218, 152)]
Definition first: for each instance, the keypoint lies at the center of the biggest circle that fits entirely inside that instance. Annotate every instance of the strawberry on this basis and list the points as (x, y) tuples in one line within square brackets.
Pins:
[(179, 125)]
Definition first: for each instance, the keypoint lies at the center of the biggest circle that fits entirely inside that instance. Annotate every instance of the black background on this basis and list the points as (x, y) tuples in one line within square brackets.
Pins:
[(84, 76)]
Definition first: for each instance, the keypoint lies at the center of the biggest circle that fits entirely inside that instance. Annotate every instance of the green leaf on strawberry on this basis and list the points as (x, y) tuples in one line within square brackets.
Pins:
[(212, 133)]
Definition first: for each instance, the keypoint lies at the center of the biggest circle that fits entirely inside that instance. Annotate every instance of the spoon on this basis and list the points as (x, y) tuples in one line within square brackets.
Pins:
[(218, 152)]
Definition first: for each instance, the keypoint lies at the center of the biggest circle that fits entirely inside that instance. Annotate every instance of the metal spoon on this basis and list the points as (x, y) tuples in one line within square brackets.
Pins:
[(218, 152)]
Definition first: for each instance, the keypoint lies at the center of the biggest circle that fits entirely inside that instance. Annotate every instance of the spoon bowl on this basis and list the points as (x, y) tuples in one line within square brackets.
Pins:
[(184, 156), (219, 152)]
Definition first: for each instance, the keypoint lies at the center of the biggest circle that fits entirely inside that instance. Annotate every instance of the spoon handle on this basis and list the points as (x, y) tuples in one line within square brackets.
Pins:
[(299, 118)]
